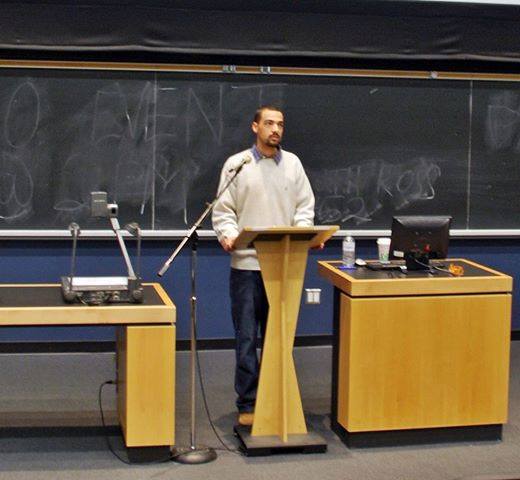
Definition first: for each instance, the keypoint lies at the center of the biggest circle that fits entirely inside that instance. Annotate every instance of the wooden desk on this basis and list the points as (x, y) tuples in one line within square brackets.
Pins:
[(419, 358), (145, 355)]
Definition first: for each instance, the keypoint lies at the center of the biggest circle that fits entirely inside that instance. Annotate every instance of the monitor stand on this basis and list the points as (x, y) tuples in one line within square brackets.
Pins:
[(417, 261)]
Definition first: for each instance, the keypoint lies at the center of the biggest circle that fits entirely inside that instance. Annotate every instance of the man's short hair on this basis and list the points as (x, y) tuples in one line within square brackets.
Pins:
[(258, 113)]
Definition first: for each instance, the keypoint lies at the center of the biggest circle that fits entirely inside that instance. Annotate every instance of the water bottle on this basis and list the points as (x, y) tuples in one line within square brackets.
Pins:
[(349, 252)]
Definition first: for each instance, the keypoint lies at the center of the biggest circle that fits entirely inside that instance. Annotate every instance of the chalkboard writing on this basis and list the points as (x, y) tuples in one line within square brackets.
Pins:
[(156, 142)]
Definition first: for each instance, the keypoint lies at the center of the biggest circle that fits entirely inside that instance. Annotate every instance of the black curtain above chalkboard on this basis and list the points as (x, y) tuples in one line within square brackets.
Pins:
[(278, 31)]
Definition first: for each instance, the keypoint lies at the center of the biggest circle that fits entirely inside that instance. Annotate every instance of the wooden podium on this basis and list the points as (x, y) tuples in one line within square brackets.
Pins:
[(279, 423)]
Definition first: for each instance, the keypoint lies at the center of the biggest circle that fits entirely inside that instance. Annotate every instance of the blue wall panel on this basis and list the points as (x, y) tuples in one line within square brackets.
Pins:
[(34, 261)]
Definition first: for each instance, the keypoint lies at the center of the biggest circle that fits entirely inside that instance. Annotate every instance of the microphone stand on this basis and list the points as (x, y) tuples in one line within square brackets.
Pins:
[(195, 454)]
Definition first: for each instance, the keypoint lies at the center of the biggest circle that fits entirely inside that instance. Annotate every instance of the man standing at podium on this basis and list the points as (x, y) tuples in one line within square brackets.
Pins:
[(271, 189)]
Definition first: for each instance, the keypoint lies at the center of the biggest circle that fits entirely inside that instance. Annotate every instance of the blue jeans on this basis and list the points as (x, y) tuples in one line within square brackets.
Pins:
[(249, 308)]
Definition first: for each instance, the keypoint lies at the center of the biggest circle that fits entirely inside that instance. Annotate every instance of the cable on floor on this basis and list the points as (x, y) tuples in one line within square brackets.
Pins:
[(107, 440), (206, 407)]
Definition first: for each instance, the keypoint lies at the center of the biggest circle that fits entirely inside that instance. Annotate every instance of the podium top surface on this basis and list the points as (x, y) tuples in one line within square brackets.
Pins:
[(362, 282), (315, 235), (43, 304)]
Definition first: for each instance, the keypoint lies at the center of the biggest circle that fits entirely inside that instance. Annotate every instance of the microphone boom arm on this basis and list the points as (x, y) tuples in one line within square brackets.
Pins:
[(117, 230), (199, 221)]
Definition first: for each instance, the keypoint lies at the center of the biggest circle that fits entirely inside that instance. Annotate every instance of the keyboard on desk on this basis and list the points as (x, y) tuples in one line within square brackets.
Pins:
[(400, 265), (385, 265)]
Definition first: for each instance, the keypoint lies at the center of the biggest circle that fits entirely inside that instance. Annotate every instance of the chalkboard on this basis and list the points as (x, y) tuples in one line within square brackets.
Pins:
[(155, 141)]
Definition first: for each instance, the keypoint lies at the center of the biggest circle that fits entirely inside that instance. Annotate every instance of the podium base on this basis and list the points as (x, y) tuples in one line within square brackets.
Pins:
[(264, 445)]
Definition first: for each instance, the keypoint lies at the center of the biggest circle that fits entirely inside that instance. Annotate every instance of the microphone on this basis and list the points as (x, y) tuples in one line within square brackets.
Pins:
[(246, 159), (132, 228), (74, 229)]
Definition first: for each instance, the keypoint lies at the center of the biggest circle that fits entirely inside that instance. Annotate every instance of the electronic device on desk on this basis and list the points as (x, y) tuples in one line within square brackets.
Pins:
[(418, 239), (385, 266), (100, 290)]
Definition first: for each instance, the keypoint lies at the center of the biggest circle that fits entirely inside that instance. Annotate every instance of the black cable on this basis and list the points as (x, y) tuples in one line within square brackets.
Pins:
[(206, 407), (109, 445), (433, 267), (444, 270)]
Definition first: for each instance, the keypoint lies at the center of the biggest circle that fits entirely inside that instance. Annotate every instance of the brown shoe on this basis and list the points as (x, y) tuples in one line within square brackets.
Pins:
[(246, 418)]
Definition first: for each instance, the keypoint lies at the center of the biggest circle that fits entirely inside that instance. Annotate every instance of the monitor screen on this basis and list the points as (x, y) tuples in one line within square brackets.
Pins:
[(421, 237)]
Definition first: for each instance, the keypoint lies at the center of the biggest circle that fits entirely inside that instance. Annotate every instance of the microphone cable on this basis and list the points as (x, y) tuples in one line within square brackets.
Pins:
[(105, 428), (236, 451)]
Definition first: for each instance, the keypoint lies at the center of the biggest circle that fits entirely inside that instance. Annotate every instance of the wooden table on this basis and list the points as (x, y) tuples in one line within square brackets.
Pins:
[(145, 355), (419, 358)]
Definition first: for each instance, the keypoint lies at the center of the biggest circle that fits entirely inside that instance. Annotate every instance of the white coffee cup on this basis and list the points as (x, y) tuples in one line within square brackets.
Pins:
[(383, 249)]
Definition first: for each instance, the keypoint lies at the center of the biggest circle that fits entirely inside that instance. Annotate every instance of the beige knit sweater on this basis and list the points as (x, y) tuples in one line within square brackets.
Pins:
[(264, 194)]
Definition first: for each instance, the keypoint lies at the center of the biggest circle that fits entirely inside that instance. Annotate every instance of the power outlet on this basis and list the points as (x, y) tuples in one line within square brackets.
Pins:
[(312, 296)]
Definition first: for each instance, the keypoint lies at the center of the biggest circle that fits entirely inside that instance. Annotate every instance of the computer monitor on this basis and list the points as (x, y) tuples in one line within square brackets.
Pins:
[(418, 238)]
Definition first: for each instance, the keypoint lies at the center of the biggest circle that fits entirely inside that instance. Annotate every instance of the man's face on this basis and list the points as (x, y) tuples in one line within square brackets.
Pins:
[(269, 129)]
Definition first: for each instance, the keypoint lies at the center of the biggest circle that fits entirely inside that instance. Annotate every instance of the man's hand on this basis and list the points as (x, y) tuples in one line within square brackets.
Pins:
[(228, 243), (321, 246)]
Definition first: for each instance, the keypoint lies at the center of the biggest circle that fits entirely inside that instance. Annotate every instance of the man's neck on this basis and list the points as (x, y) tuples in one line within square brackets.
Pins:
[(266, 150)]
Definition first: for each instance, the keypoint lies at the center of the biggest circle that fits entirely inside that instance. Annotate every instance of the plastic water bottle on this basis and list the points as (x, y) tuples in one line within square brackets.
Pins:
[(349, 252)]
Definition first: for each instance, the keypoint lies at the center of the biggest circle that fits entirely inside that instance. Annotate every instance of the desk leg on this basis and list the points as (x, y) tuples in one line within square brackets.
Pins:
[(146, 388)]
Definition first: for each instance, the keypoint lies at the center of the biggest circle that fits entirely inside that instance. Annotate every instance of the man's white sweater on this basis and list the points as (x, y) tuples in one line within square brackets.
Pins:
[(264, 194)]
